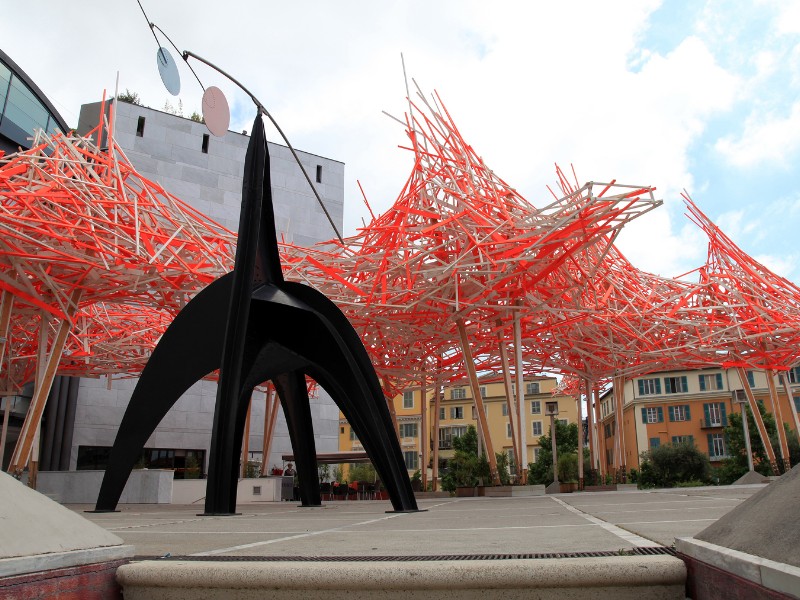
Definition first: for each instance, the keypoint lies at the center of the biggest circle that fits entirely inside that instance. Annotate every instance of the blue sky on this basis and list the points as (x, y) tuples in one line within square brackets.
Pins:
[(703, 95)]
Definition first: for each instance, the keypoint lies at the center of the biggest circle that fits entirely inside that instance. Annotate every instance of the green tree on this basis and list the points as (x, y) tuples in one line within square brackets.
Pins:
[(362, 472), (503, 462), (466, 468), (668, 465), (196, 117), (541, 472)]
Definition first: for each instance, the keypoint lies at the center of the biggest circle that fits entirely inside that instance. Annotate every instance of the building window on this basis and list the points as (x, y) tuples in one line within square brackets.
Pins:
[(319, 173), (682, 439), (508, 430), (483, 391), (610, 429), (408, 399), (408, 430), (653, 414), (456, 412), (411, 459), (609, 456), (353, 436), (458, 394), (716, 446), (675, 385), (532, 387), (536, 426), (505, 409), (794, 375), (140, 127), (649, 387), (680, 413), (204, 147), (341, 430), (536, 407), (715, 416), (797, 403), (448, 434), (441, 414), (475, 414), (563, 421), (512, 462), (655, 442), (536, 452), (709, 383), (751, 379)]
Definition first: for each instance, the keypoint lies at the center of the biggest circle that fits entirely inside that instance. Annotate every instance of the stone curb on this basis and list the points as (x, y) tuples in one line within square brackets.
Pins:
[(623, 577)]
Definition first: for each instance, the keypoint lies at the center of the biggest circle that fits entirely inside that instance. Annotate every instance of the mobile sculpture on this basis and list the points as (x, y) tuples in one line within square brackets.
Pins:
[(275, 330)]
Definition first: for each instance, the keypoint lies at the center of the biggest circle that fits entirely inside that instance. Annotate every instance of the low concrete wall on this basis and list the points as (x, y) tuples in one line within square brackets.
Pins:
[(262, 489), (618, 578), (145, 486)]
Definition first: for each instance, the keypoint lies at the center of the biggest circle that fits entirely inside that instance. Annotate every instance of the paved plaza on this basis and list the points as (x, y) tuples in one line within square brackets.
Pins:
[(579, 522)]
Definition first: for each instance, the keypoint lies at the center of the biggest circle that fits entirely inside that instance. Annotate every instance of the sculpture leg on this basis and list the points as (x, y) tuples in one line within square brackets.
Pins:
[(293, 393), (187, 352)]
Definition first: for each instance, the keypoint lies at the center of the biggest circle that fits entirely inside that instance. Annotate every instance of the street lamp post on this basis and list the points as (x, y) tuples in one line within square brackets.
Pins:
[(551, 408)]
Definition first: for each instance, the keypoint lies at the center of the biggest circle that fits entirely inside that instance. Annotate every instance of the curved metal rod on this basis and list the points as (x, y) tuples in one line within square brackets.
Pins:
[(263, 110)]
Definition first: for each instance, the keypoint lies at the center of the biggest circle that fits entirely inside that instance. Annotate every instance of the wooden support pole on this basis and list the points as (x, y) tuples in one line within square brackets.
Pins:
[(274, 403), (34, 417), (619, 437), (579, 400), (246, 439), (778, 413), (590, 422), (483, 426), (762, 430), (6, 305), (267, 413), (436, 399), (510, 403), (601, 443), (522, 415), (423, 428), (788, 389)]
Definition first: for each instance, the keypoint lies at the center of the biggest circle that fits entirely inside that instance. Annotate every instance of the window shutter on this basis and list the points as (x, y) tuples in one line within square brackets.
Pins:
[(702, 383), (719, 381), (671, 413), (724, 416), (691, 439), (660, 414), (658, 387), (707, 411), (641, 388), (688, 413), (644, 414), (710, 444), (684, 384)]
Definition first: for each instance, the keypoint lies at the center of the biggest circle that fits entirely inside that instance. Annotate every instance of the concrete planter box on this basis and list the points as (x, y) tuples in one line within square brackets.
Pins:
[(145, 486), (600, 488), (465, 492), (519, 491), (498, 491)]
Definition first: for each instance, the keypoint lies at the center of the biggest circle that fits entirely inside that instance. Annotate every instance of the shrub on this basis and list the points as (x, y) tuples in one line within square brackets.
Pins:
[(668, 465)]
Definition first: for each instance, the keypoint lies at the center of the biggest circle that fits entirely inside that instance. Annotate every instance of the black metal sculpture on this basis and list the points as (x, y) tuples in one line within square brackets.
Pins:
[(275, 330)]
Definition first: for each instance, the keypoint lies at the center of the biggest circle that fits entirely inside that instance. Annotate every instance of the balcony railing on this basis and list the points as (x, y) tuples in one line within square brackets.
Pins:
[(710, 424)]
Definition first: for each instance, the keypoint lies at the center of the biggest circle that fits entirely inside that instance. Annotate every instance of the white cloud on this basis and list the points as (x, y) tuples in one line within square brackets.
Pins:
[(766, 138)]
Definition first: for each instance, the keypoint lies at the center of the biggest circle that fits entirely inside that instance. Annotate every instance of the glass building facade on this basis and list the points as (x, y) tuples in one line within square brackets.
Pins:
[(23, 108)]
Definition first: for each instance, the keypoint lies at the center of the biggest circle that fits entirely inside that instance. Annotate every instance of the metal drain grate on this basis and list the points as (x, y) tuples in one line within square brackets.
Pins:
[(642, 551)]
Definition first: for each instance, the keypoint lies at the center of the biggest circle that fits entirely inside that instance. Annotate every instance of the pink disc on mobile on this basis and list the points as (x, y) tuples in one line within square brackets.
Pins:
[(216, 113)]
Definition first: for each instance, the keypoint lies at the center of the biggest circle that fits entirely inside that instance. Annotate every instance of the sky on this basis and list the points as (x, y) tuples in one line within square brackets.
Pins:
[(702, 96)]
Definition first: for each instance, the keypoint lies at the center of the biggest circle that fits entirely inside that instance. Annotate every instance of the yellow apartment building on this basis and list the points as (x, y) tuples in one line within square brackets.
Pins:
[(677, 406), (457, 411)]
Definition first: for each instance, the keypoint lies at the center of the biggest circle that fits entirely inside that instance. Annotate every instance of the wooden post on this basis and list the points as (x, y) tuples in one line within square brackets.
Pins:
[(246, 439), (519, 375), (762, 430), (590, 422), (423, 428), (778, 413), (33, 419), (267, 413), (792, 407), (483, 429), (619, 438), (580, 440), (510, 403), (274, 403), (436, 387), (601, 442), (6, 305)]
